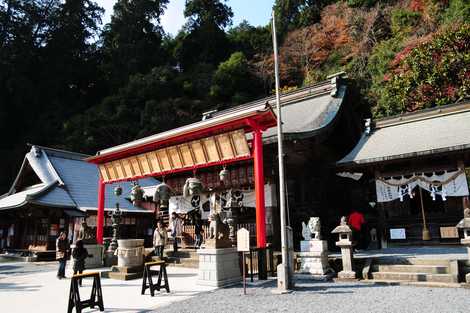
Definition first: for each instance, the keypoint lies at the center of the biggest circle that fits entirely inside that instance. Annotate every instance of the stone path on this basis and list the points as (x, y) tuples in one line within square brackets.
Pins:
[(34, 288)]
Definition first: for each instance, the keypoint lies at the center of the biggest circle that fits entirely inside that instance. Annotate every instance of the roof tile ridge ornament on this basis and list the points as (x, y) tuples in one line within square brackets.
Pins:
[(49, 174), (334, 80), (367, 126)]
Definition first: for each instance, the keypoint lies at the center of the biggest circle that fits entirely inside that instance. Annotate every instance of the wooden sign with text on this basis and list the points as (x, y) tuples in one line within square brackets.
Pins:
[(243, 240)]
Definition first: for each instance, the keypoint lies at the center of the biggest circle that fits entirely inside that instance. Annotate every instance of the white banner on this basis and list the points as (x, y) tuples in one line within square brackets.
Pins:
[(449, 184), (180, 204)]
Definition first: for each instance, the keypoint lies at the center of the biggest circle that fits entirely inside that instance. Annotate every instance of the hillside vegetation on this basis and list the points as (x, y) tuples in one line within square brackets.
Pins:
[(69, 82)]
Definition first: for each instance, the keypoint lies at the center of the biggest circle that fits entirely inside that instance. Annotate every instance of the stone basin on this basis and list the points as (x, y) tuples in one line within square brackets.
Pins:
[(130, 252)]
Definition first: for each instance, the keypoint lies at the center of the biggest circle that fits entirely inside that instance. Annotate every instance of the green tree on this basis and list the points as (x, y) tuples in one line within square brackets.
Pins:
[(294, 14), (204, 39), (433, 73), (250, 40), (233, 82), (132, 41)]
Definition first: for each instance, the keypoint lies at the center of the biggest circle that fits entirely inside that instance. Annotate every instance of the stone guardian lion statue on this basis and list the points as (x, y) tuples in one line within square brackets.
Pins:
[(315, 227)]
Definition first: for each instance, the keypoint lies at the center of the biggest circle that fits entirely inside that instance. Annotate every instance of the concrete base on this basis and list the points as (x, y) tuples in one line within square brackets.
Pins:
[(96, 259), (346, 275), (218, 267), (97, 256), (314, 257), (467, 278), (123, 273)]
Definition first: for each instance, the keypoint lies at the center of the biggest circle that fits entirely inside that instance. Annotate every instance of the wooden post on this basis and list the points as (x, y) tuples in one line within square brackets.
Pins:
[(244, 273), (465, 199), (426, 234), (382, 224)]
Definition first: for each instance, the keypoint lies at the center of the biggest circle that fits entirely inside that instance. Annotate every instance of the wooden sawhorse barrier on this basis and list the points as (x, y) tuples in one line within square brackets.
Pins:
[(148, 277), (96, 298)]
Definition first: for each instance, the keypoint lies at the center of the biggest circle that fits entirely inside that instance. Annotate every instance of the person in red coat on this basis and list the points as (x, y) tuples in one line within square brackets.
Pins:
[(356, 221)]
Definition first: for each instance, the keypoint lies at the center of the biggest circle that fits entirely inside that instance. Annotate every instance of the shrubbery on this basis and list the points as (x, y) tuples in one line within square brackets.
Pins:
[(434, 73)]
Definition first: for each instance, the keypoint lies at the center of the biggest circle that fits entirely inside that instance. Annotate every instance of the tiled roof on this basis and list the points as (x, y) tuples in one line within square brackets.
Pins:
[(305, 111), (68, 181), (428, 132)]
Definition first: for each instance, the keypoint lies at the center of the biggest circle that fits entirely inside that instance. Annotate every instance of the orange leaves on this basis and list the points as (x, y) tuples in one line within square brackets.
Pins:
[(308, 48)]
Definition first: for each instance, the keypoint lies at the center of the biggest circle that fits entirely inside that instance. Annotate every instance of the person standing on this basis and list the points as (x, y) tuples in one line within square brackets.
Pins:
[(198, 230), (79, 254), (62, 249), (356, 221), (176, 230), (160, 238)]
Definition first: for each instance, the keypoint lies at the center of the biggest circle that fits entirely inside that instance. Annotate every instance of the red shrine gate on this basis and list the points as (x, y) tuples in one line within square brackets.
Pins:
[(215, 141)]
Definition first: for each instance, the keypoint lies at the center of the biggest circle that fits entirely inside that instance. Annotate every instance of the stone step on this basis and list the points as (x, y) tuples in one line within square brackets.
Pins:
[(415, 277), (412, 261), (407, 268), (416, 283), (123, 276)]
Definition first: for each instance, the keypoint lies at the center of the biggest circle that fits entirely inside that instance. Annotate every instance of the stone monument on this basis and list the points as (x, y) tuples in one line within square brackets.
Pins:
[(218, 262), (87, 235), (313, 251), (346, 245), (464, 224)]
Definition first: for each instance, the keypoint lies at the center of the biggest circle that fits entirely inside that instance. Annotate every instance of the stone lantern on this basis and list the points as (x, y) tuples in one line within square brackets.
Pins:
[(346, 245), (464, 224)]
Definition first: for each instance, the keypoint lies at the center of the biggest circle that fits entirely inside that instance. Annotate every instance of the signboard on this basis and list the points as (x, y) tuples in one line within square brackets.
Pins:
[(397, 233), (449, 232), (243, 240)]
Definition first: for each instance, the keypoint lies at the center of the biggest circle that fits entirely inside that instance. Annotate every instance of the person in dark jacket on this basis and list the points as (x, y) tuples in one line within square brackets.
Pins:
[(79, 255), (198, 230), (62, 249)]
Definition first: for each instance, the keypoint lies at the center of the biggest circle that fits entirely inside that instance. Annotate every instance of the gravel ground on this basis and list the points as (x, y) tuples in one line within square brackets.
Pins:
[(328, 297)]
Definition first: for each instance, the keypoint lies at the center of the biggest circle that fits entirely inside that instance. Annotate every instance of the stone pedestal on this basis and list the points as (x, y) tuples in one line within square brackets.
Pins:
[(314, 257), (347, 260), (218, 267), (97, 256), (130, 260), (130, 252)]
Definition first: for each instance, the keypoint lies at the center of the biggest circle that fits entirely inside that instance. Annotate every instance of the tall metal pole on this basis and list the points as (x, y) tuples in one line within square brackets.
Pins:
[(283, 282)]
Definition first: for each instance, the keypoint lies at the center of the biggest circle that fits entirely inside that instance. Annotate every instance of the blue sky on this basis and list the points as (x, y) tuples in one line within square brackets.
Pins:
[(256, 12)]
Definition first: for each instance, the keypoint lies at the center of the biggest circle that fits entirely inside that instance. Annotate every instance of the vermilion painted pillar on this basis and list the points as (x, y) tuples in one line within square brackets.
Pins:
[(100, 213), (259, 189)]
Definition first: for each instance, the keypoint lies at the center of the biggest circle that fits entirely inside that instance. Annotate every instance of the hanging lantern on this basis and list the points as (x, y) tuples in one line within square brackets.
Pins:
[(223, 175), (118, 191), (162, 195), (192, 187), (137, 194)]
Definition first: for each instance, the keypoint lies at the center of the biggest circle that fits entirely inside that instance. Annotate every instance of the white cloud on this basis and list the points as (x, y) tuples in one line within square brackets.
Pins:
[(173, 18)]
